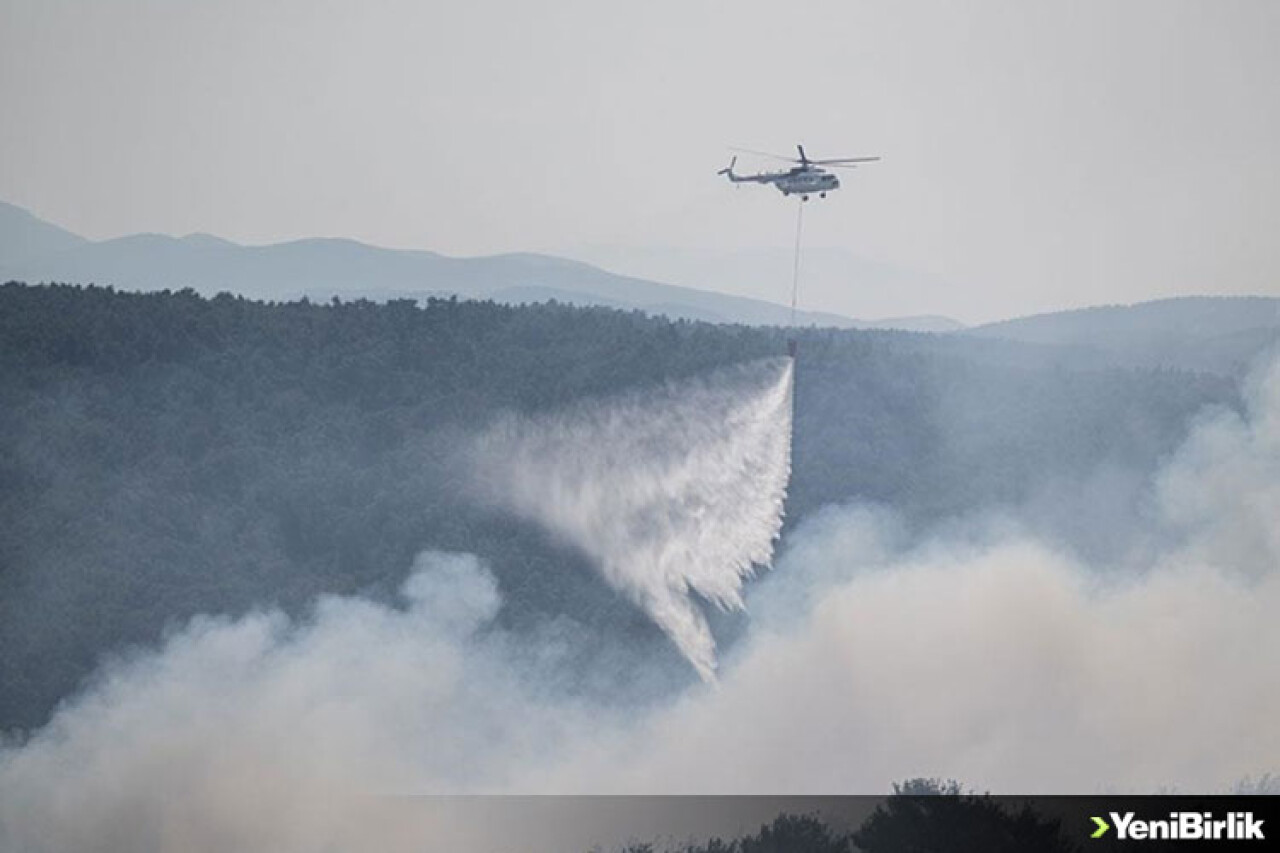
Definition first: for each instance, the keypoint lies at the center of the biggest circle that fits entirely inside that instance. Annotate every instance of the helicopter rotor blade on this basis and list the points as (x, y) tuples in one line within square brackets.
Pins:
[(844, 161), (765, 154), (804, 160)]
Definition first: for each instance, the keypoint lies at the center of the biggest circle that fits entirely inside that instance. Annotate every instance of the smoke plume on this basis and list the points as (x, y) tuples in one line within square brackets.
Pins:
[(984, 654), (875, 654), (266, 733)]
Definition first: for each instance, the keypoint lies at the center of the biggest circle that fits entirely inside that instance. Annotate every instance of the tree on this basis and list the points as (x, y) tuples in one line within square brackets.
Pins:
[(926, 815), (788, 833)]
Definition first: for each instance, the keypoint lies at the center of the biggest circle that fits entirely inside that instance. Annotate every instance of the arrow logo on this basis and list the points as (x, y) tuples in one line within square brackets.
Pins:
[(1103, 826)]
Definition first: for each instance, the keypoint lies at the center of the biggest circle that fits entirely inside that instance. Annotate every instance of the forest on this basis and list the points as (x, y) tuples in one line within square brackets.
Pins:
[(164, 455)]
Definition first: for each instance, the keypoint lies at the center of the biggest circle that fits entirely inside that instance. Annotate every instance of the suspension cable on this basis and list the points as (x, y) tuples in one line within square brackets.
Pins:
[(795, 269)]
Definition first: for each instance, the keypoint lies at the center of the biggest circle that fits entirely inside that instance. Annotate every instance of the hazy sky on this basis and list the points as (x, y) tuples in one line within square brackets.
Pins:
[(1036, 155)]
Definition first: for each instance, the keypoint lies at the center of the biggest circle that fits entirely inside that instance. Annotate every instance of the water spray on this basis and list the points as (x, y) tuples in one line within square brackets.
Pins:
[(671, 491)]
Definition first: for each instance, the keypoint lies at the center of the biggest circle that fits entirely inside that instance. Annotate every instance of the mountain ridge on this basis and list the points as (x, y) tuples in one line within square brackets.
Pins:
[(323, 267), (1226, 329), (1222, 334)]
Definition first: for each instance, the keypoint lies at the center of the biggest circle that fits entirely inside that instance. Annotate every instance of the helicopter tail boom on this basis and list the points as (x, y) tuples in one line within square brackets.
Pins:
[(727, 171)]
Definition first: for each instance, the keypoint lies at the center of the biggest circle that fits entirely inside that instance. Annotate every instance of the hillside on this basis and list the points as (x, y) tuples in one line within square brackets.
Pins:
[(163, 455), (1221, 334)]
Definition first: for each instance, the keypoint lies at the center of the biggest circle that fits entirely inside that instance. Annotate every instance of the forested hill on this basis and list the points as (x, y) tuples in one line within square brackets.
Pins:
[(1219, 333), (164, 454)]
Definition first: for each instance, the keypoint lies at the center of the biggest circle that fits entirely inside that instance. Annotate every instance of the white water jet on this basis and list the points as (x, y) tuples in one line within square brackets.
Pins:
[(668, 491)]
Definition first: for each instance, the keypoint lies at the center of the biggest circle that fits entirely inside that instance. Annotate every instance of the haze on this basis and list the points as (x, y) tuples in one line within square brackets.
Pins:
[(1036, 156)]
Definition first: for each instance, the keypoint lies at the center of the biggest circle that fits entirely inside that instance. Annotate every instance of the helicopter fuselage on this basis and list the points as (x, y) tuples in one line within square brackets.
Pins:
[(801, 181), (805, 181)]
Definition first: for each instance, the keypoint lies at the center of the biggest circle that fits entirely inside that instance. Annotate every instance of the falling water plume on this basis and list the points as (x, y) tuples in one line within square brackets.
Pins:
[(667, 491)]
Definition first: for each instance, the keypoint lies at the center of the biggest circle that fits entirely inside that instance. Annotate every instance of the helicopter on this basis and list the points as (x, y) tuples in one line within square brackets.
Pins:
[(804, 179)]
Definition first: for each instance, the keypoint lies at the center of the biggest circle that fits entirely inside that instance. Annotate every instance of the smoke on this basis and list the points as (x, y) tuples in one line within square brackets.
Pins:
[(268, 733), (1220, 497), (983, 654), (874, 654), (667, 492), (1008, 667)]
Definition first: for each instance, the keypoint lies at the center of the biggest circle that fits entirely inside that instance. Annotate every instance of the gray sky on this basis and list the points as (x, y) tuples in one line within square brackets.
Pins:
[(1037, 155)]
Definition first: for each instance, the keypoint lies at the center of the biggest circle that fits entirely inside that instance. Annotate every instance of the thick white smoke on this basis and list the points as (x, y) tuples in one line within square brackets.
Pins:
[(264, 733), (1220, 496), (668, 491), (1007, 666), (875, 655), (985, 655)]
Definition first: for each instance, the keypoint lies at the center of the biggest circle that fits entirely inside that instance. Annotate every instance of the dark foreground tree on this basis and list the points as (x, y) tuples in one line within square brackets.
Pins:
[(795, 834), (927, 815), (787, 833)]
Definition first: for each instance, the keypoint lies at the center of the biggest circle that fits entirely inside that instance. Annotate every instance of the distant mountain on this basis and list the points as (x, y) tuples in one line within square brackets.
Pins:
[(24, 238), (843, 277), (922, 323), (35, 251), (1217, 333)]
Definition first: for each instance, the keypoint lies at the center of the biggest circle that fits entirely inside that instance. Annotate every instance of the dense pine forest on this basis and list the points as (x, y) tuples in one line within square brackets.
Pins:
[(164, 455)]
